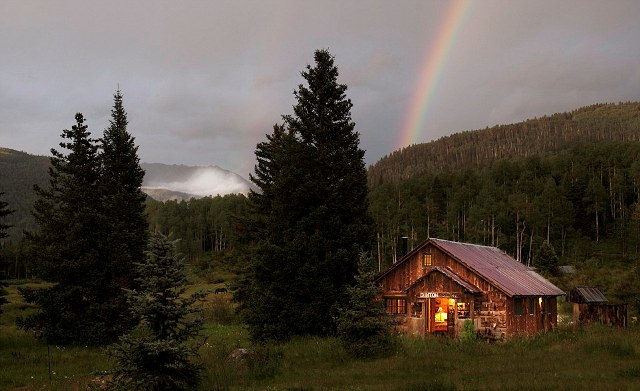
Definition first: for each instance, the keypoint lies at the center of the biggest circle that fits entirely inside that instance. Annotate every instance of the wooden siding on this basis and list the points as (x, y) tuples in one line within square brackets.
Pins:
[(609, 314), (543, 318), (493, 312)]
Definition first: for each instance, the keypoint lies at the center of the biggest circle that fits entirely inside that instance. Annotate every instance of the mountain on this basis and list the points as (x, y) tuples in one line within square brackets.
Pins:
[(19, 171), (538, 136), (178, 182)]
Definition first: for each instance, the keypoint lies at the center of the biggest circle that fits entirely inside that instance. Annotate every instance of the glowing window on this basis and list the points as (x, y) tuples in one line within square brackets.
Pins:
[(427, 260)]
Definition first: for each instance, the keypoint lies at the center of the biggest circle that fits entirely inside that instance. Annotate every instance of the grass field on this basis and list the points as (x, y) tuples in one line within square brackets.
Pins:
[(598, 358)]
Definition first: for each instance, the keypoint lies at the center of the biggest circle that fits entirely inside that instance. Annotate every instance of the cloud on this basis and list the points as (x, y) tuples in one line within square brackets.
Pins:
[(204, 81)]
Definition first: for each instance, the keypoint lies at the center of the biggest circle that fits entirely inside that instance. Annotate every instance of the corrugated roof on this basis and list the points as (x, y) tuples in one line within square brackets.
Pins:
[(469, 287), (500, 269), (587, 294)]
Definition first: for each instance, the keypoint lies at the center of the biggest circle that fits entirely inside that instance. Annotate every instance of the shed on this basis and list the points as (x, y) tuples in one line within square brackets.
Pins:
[(441, 284), (591, 306)]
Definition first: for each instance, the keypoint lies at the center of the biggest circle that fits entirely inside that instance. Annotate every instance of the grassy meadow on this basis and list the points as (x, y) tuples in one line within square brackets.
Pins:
[(598, 358)]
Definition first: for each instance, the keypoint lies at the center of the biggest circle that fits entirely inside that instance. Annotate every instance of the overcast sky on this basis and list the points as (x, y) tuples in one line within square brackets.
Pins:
[(204, 81)]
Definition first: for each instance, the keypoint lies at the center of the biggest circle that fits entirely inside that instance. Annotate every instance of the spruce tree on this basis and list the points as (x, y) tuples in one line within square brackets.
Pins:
[(159, 354), (311, 213), (363, 325), (123, 205), (69, 248), (547, 260)]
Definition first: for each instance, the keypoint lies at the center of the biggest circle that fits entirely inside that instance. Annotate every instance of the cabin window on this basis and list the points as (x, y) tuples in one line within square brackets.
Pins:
[(395, 306), (549, 300), (532, 305), (427, 259), (463, 310), (517, 307)]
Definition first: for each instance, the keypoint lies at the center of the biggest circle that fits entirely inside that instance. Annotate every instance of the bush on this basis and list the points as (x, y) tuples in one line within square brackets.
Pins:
[(468, 332)]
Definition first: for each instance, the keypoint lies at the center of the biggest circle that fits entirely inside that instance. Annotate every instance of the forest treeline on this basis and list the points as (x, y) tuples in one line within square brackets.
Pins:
[(574, 200), (203, 225), (479, 148), (571, 179)]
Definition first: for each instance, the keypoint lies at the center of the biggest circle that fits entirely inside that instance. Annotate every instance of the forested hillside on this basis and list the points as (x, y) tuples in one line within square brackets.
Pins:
[(583, 201), (19, 171), (549, 134)]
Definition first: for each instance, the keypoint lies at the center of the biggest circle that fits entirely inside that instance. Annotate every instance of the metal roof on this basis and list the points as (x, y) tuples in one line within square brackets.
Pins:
[(499, 269), (587, 294)]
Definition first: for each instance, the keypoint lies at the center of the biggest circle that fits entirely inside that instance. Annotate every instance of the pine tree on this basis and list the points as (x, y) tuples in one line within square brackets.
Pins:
[(123, 205), (69, 248), (363, 326), (311, 213), (159, 354), (547, 260)]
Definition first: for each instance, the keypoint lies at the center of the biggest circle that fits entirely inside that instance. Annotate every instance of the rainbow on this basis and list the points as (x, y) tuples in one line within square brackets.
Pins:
[(434, 64)]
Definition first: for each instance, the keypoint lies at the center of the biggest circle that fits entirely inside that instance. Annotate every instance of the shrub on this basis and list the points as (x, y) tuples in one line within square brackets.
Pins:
[(468, 332)]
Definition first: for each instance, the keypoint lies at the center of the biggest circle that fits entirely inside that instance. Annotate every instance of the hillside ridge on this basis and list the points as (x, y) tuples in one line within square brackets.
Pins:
[(478, 148), (20, 171)]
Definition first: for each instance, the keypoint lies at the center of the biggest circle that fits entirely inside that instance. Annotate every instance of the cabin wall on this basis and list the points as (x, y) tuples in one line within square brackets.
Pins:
[(609, 314), (494, 313), (532, 315), (405, 274)]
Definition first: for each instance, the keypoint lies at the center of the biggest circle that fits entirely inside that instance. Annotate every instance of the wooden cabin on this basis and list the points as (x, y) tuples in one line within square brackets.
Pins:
[(439, 285), (591, 306)]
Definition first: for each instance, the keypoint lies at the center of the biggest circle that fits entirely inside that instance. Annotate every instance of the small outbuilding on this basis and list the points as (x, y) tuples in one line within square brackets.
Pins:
[(440, 285), (591, 306)]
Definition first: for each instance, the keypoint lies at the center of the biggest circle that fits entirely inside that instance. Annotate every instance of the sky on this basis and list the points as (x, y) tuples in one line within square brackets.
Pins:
[(205, 81)]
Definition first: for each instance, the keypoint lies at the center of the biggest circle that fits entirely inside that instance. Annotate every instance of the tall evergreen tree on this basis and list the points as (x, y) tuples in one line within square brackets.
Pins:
[(68, 249), (311, 212), (547, 260), (123, 205)]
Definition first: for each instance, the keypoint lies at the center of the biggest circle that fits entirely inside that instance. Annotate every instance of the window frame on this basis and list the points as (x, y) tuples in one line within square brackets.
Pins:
[(532, 306), (397, 304), (427, 260), (517, 306)]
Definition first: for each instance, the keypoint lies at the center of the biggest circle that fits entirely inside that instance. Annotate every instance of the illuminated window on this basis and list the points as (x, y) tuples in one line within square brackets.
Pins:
[(426, 259), (463, 310), (395, 306)]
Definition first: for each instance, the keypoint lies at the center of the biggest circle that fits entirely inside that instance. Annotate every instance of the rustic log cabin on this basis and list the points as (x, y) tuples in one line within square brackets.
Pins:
[(440, 285)]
